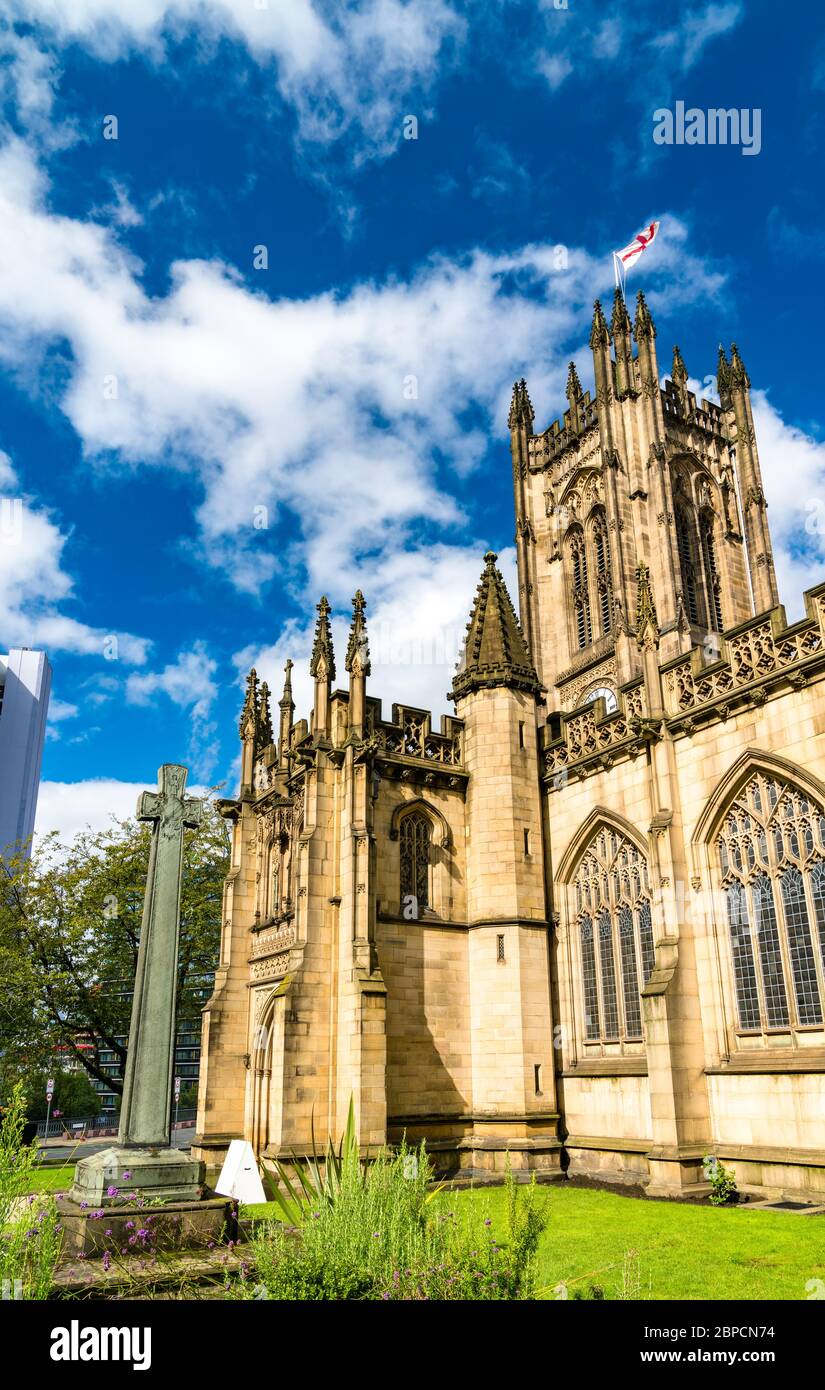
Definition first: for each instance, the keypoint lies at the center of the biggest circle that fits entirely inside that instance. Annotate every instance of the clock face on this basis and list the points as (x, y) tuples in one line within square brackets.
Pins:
[(605, 693)]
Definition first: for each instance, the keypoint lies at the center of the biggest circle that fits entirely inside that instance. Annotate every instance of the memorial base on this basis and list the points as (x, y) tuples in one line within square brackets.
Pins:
[(131, 1230), (169, 1174)]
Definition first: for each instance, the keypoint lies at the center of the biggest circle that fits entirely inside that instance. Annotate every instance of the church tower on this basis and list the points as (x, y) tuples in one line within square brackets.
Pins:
[(497, 695), (637, 476)]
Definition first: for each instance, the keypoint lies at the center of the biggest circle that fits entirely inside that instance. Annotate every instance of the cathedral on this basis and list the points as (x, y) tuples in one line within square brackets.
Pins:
[(582, 923)]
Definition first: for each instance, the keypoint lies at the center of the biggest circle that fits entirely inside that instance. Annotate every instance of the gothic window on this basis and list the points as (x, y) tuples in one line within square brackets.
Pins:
[(684, 542), (615, 933), (580, 590), (415, 833), (713, 585), (771, 850), (601, 556)]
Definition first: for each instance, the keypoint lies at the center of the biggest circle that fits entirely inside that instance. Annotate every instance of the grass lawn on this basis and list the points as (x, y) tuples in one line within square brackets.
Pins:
[(52, 1179), (682, 1251)]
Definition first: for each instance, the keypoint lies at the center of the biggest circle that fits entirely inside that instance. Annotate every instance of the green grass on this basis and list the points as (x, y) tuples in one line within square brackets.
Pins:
[(684, 1251), (691, 1252), (52, 1179)]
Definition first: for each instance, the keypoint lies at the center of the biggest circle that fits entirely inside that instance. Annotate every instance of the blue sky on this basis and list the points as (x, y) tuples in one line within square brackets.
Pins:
[(202, 446)]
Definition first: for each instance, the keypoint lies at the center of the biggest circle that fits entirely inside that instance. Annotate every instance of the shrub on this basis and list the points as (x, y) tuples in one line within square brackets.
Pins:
[(723, 1189), (29, 1225), (385, 1236)]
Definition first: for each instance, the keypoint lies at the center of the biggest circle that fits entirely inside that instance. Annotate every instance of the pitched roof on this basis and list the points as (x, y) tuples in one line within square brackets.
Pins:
[(495, 652)]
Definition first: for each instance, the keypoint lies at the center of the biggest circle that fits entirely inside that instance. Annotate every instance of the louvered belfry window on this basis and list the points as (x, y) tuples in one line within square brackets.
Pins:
[(415, 834), (771, 849), (615, 928), (580, 590)]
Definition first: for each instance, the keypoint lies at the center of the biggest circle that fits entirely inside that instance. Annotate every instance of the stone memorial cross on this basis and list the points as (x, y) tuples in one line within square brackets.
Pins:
[(147, 1085)]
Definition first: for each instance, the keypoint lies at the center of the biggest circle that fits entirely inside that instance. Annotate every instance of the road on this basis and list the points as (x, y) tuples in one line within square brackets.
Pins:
[(58, 1152)]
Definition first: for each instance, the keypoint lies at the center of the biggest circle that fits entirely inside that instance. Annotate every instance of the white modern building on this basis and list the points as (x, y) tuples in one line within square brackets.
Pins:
[(25, 684)]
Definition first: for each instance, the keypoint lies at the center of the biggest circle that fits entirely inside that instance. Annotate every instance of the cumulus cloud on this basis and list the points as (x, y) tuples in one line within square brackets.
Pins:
[(320, 429), (70, 807), (346, 67), (416, 622), (189, 682), (35, 586)]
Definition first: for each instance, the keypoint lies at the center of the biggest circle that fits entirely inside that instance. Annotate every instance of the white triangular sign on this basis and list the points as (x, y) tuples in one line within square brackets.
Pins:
[(239, 1175)]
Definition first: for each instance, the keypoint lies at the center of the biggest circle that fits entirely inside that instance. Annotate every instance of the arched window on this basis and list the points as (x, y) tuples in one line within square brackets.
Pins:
[(687, 563), (415, 833), (771, 849), (713, 586), (615, 930), (579, 590), (601, 556)]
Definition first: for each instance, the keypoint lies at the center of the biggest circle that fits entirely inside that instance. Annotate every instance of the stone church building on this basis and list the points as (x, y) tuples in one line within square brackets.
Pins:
[(584, 920)]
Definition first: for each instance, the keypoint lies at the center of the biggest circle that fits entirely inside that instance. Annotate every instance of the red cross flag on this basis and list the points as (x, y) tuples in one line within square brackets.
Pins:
[(629, 255)]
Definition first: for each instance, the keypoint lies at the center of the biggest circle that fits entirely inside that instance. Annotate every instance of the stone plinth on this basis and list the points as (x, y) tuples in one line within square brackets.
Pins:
[(173, 1226), (167, 1173)]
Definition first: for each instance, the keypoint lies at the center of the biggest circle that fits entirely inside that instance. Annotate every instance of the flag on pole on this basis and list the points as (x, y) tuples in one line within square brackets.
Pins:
[(625, 259), (629, 255)]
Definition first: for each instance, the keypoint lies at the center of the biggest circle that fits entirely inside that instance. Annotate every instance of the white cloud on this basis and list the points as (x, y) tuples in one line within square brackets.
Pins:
[(34, 584), (793, 474), (70, 807), (336, 408), (189, 683), (347, 67), (418, 605)]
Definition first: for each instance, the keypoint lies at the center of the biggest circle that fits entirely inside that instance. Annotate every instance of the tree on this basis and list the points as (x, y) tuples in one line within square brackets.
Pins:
[(70, 922), (74, 1094)]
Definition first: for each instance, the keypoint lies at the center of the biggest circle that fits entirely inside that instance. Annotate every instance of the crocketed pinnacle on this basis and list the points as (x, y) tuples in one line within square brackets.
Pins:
[(647, 626), (738, 375), (249, 714), (495, 652), (620, 321), (286, 701), (722, 375), (644, 326), (358, 650), (599, 332), (573, 389), (322, 663), (678, 371), (521, 407), (264, 718)]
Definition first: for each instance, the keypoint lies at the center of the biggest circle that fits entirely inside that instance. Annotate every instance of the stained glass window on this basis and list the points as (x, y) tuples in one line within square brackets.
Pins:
[(772, 858), (414, 834), (615, 926)]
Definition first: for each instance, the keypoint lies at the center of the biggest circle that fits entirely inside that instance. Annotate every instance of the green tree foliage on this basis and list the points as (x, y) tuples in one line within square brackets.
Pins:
[(70, 922), (74, 1094)]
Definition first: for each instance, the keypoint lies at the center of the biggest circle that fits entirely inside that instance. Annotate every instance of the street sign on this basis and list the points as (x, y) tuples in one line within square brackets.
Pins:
[(50, 1088), (177, 1088)]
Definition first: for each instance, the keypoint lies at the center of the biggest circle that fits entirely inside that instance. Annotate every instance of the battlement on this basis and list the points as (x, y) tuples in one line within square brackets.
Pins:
[(409, 734), (706, 416), (566, 431), (755, 659)]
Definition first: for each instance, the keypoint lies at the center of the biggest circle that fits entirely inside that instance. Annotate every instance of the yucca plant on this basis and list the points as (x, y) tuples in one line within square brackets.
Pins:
[(316, 1186), (312, 1186)]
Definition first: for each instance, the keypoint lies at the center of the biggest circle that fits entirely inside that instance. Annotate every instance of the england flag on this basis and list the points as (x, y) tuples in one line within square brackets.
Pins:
[(629, 255)]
